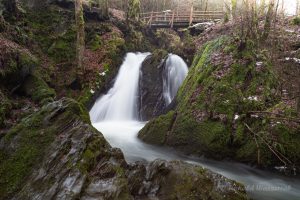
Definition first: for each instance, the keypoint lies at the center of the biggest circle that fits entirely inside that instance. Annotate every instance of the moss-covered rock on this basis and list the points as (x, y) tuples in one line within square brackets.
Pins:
[(188, 182), (40, 140), (16, 63), (5, 107), (159, 129), (228, 108), (60, 24), (38, 90)]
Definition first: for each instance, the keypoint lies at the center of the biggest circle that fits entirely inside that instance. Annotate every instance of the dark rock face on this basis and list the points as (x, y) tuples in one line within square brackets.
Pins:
[(151, 100), (64, 3), (95, 14)]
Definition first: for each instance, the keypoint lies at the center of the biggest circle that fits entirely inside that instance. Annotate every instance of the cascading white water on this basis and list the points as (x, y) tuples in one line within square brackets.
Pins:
[(120, 103), (115, 115), (175, 72)]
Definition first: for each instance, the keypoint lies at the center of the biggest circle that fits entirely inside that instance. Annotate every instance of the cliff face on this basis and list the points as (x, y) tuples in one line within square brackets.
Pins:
[(228, 107)]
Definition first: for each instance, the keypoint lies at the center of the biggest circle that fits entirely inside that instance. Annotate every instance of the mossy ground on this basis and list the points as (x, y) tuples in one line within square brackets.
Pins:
[(218, 105)]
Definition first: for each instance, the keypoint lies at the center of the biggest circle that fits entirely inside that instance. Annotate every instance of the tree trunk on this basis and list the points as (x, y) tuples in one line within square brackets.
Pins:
[(268, 21), (134, 7), (297, 7), (103, 5), (233, 8), (262, 7), (80, 36)]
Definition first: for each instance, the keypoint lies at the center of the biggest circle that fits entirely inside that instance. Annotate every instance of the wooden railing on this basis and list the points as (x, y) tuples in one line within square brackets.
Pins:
[(172, 17)]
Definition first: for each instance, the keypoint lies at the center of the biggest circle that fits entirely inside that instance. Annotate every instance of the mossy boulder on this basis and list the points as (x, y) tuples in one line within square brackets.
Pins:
[(228, 108), (169, 40), (37, 89), (16, 63), (188, 182), (60, 24), (158, 129), (31, 153), (5, 107)]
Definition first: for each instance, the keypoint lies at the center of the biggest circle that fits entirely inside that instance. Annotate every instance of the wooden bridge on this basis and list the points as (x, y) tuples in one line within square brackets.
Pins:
[(176, 19)]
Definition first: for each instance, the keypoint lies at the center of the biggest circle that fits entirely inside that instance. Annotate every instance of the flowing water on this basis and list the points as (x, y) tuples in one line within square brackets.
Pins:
[(115, 114), (174, 74)]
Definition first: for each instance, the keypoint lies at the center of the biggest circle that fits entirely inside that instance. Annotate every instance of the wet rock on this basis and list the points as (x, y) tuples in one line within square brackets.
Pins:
[(51, 153), (151, 100), (200, 27), (179, 180)]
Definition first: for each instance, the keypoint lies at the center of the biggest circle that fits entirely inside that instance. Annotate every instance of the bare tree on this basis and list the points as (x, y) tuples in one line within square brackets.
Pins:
[(134, 8), (80, 35), (297, 7), (268, 20)]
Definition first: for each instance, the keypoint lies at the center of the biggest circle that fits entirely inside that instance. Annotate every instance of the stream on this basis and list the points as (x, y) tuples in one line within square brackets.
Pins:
[(115, 115)]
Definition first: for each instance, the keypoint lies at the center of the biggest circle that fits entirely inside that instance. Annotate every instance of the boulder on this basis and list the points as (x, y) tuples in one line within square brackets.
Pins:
[(151, 100), (179, 180), (37, 89), (16, 63), (56, 154)]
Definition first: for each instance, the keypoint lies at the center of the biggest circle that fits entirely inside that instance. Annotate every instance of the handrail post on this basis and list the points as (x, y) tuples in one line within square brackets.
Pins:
[(191, 15), (150, 20), (172, 20)]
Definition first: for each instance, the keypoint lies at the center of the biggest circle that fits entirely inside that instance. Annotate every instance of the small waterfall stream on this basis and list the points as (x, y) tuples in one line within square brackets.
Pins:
[(115, 114), (175, 72), (120, 101)]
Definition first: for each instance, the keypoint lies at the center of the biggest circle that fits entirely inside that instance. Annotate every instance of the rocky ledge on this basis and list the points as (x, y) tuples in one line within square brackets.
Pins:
[(55, 153)]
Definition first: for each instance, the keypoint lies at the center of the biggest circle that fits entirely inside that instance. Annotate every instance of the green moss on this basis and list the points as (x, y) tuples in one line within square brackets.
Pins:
[(224, 83), (38, 89), (5, 107), (15, 166), (54, 31), (114, 45), (85, 97), (63, 48), (96, 43), (209, 137), (78, 109), (156, 130), (296, 21), (26, 143), (17, 64)]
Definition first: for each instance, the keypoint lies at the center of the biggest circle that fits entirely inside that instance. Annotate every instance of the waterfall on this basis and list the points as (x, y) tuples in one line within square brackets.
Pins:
[(174, 74), (120, 103)]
